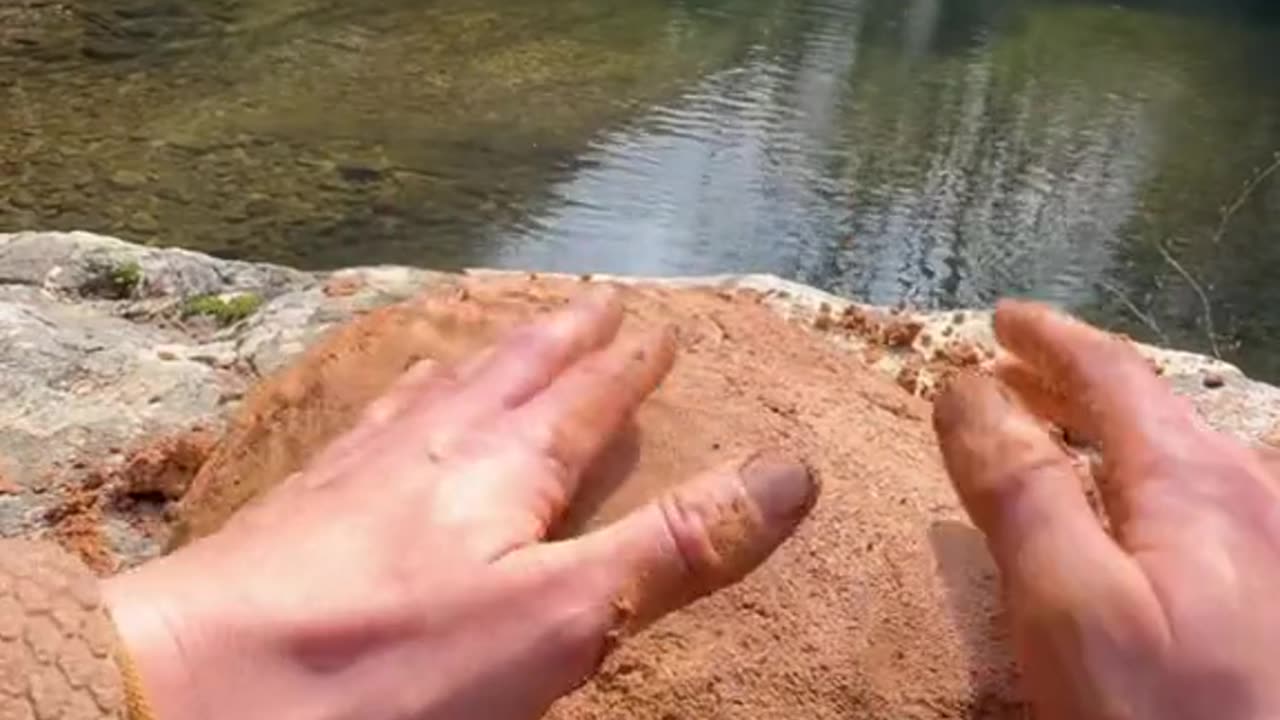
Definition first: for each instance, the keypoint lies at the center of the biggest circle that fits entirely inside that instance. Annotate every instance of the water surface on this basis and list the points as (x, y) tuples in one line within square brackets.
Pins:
[(1110, 157)]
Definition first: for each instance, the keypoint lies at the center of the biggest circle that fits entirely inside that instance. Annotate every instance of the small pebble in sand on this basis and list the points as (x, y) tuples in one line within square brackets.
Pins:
[(823, 321), (1214, 380)]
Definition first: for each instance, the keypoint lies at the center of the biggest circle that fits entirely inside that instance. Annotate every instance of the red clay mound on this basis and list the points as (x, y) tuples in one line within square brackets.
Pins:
[(884, 606)]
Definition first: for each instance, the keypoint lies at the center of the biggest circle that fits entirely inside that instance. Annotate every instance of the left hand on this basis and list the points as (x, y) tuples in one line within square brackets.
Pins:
[(1165, 613), (405, 572)]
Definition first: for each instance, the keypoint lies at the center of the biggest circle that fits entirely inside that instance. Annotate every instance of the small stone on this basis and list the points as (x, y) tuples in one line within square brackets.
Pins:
[(222, 360), (9, 487), (343, 285), (173, 194), (1214, 380), (259, 206), (823, 321), (42, 483), (359, 173), (128, 179), (21, 199), (143, 223)]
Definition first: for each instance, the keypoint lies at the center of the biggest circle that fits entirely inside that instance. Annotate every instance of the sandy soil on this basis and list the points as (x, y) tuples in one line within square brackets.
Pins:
[(884, 606)]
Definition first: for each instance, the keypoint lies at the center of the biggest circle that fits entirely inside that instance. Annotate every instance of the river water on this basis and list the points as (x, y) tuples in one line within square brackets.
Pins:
[(1114, 158)]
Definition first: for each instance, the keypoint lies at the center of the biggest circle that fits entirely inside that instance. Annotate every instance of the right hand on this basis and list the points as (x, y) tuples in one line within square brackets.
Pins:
[(410, 570), (1173, 613)]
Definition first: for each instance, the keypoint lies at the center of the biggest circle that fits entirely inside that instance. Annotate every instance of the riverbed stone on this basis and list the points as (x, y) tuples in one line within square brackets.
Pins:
[(87, 375)]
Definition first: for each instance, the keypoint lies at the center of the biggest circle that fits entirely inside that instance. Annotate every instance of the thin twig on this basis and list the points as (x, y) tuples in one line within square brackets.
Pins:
[(1204, 297), (1243, 197), (1144, 318)]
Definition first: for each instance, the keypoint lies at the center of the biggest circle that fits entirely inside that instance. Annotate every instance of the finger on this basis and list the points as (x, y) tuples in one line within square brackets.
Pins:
[(575, 418), (1066, 579), (414, 382), (1043, 400), (704, 535), (1016, 483), (535, 354), (425, 382), (515, 369), (1109, 386)]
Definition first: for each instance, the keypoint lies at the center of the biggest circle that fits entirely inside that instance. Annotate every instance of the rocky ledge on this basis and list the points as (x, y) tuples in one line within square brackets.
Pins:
[(111, 348)]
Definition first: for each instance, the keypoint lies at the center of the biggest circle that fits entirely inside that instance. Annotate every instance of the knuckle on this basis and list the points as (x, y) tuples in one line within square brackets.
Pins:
[(689, 527), (553, 444), (541, 342), (603, 370)]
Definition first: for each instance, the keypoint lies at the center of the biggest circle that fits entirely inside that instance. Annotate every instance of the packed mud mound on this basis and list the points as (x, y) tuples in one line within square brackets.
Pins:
[(884, 605)]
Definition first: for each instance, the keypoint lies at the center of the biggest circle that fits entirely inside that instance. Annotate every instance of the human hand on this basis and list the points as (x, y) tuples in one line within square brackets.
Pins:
[(405, 573), (1168, 616)]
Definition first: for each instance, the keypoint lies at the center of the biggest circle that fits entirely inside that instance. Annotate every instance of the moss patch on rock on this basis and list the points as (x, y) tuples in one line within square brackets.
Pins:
[(126, 278), (223, 309), (113, 281)]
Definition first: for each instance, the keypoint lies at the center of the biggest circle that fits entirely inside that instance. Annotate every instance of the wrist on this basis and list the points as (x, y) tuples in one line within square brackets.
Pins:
[(158, 667), (204, 649)]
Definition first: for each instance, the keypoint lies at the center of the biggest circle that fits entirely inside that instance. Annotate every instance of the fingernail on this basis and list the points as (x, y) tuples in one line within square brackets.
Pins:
[(782, 488)]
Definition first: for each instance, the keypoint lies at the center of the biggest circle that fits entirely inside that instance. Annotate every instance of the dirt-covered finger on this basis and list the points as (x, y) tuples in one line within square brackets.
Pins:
[(571, 421), (704, 535), (1043, 399), (1012, 477), (1111, 391), (1102, 374), (534, 355)]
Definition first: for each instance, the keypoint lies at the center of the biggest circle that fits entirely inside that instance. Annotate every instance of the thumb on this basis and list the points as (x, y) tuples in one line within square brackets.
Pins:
[(704, 535)]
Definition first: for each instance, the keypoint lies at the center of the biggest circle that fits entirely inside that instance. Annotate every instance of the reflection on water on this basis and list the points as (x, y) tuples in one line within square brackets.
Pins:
[(737, 174), (936, 152)]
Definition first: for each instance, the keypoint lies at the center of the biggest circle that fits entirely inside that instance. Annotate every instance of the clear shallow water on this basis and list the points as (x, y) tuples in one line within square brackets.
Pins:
[(935, 152)]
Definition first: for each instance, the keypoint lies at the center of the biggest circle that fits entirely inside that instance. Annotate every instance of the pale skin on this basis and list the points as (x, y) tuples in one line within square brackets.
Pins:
[(406, 574), (1170, 615)]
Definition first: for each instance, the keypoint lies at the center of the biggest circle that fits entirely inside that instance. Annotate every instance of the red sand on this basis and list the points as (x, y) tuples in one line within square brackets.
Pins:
[(884, 606)]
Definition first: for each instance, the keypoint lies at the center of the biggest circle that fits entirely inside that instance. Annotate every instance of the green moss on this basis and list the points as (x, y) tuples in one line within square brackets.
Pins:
[(226, 310), (112, 281), (125, 279)]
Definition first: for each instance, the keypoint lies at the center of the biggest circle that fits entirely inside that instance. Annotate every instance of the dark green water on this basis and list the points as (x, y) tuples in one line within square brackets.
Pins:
[(936, 152)]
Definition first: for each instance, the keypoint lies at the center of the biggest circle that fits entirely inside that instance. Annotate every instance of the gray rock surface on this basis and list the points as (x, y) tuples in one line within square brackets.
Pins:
[(91, 366)]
